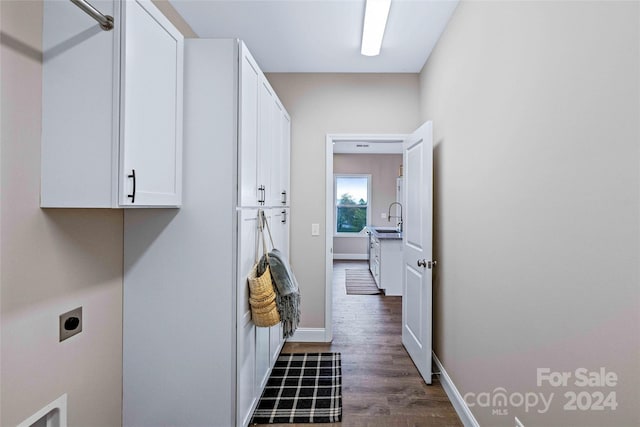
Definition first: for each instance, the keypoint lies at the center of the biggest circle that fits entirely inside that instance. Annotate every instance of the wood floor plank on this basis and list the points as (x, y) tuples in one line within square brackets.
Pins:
[(381, 386)]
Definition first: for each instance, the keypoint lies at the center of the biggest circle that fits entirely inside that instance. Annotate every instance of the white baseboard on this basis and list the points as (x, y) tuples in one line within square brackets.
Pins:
[(308, 335), (455, 397), (351, 256)]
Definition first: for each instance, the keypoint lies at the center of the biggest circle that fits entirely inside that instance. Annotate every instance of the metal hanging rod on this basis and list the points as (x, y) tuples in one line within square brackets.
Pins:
[(105, 21)]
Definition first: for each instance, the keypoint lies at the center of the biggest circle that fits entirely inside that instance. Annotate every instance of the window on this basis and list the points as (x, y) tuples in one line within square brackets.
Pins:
[(352, 196)]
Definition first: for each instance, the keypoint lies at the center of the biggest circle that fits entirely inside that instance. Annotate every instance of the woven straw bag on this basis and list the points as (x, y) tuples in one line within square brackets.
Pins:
[(262, 295)]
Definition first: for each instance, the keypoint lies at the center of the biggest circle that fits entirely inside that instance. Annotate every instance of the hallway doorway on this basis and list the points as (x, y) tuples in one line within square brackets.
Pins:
[(339, 243)]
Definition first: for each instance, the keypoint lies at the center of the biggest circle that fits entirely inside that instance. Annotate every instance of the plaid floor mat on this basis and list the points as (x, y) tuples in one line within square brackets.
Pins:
[(302, 388)]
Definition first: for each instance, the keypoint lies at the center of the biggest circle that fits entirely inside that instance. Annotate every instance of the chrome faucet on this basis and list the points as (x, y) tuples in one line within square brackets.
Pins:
[(389, 216)]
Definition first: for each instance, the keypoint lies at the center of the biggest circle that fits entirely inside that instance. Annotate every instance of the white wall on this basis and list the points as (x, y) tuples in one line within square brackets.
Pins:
[(535, 108), (332, 103), (52, 261), (383, 169)]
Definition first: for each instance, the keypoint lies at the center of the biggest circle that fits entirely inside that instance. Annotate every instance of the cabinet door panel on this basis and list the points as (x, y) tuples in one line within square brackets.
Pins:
[(275, 341), (263, 359), (285, 153), (247, 392), (248, 129), (265, 140), (276, 155), (281, 230), (151, 113), (263, 355), (246, 357)]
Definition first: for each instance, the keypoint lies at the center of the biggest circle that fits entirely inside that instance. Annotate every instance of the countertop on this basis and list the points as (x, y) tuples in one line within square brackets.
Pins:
[(384, 236)]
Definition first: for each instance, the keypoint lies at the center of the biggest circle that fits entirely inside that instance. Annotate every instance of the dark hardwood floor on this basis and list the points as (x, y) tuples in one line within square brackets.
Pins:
[(381, 387)]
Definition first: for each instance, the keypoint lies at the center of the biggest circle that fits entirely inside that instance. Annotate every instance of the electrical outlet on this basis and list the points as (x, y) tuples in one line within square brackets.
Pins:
[(519, 423), (70, 323)]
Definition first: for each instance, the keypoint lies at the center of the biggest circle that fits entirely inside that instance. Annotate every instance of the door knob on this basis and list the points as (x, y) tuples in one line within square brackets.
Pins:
[(422, 263)]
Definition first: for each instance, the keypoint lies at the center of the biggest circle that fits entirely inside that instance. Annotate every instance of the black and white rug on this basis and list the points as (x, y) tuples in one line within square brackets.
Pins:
[(302, 388)]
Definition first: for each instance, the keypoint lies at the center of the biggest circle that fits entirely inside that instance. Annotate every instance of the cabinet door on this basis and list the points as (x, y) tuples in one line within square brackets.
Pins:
[(246, 345), (250, 76), (279, 227), (285, 158), (283, 225), (263, 339), (265, 142), (372, 255), (275, 196), (151, 109)]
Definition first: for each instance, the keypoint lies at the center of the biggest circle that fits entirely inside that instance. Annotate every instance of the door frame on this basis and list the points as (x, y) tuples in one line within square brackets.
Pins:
[(332, 138)]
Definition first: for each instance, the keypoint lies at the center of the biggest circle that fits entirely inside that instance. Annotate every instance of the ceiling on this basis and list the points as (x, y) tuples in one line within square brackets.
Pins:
[(321, 35)]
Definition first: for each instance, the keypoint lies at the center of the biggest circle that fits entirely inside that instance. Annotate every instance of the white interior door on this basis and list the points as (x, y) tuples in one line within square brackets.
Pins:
[(416, 244)]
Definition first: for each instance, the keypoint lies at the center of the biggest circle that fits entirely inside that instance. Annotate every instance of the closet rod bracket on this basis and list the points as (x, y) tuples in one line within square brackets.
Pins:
[(105, 21)]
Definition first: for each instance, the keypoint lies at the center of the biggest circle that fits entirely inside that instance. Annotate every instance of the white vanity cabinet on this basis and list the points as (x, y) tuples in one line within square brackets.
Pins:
[(374, 258), (112, 107), (385, 262), (264, 138)]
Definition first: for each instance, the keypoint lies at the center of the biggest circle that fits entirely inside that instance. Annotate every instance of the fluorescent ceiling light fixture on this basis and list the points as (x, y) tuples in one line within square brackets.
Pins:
[(375, 21)]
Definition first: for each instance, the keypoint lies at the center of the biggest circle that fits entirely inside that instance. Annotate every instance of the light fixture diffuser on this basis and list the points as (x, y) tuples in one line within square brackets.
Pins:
[(375, 21)]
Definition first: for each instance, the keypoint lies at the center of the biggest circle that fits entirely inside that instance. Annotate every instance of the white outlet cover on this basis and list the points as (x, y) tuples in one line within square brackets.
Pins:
[(315, 229)]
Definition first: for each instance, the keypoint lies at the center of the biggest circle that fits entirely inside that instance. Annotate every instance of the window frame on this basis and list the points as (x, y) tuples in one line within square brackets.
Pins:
[(336, 176)]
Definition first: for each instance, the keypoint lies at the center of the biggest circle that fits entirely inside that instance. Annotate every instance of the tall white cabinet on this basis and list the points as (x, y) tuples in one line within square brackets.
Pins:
[(192, 356), (112, 107), (261, 183)]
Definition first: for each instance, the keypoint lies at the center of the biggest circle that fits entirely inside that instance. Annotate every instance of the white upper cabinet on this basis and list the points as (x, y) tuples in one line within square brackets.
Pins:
[(266, 144), (112, 107), (151, 108), (250, 76), (262, 162)]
